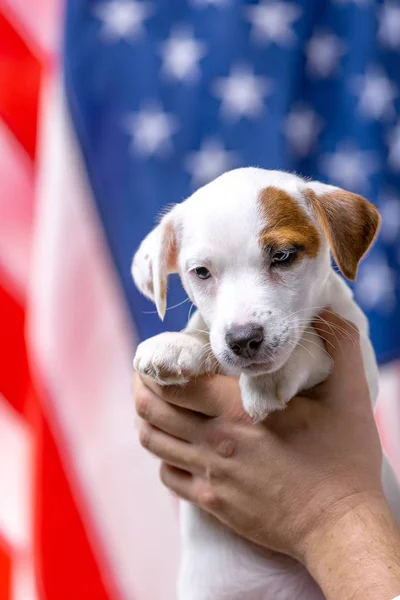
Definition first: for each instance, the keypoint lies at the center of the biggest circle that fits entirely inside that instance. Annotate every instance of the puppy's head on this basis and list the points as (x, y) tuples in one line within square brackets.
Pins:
[(252, 250)]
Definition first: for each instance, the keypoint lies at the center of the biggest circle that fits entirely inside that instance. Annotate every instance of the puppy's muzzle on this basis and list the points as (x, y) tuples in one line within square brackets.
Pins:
[(245, 340)]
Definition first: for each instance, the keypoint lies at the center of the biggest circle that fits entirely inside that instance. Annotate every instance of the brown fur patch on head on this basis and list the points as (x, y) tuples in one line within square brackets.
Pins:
[(287, 224), (350, 223)]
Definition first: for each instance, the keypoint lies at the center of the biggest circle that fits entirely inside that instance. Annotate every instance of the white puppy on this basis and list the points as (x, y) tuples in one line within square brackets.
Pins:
[(253, 252)]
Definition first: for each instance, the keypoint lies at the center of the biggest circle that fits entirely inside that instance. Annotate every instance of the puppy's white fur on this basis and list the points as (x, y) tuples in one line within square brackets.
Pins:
[(218, 228)]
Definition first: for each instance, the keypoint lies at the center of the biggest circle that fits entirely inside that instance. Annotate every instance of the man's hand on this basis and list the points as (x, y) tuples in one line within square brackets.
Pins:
[(306, 481), (278, 481)]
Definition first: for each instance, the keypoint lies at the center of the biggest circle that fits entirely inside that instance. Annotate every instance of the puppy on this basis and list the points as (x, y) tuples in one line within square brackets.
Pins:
[(253, 251)]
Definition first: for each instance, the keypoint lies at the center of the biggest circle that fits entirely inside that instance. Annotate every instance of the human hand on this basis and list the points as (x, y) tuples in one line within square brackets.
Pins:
[(280, 482)]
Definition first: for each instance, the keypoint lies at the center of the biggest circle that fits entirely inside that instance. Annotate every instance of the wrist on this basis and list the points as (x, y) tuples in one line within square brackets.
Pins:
[(354, 552)]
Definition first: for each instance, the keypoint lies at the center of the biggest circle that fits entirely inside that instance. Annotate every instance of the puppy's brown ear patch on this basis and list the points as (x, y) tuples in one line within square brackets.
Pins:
[(350, 223)]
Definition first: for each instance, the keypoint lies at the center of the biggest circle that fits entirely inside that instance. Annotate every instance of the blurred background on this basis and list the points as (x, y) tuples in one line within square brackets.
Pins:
[(110, 110)]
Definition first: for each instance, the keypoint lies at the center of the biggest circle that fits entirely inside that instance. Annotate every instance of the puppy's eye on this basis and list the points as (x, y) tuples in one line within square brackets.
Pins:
[(284, 257), (202, 272)]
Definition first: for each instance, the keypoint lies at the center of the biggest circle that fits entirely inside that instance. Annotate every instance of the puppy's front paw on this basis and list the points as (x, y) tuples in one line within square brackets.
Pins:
[(172, 358), (262, 395)]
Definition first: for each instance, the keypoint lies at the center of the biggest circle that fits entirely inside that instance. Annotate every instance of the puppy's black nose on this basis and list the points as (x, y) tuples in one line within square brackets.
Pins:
[(245, 340)]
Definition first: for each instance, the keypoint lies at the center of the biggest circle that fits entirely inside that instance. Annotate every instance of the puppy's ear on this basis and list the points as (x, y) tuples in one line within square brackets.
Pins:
[(349, 221), (155, 259)]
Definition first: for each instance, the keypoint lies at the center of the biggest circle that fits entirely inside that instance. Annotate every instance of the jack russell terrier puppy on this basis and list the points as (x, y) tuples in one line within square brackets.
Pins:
[(253, 251)]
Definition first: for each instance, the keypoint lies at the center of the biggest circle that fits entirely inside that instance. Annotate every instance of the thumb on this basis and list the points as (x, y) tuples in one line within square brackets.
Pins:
[(347, 382), (341, 338)]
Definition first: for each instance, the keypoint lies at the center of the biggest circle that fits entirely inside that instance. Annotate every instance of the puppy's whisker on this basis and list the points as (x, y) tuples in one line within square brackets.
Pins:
[(348, 323), (334, 327), (154, 312), (318, 346), (200, 331), (306, 349), (311, 308), (190, 312), (318, 335)]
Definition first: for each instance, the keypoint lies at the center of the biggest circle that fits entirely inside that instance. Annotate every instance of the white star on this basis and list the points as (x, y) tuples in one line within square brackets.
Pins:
[(181, 54), (242, 93), (389, 26), (376, 94), (375, 287), (273, 22), (202, 3), (151, 129), (302, 127), (394, 147), (210, 161), (350, 167), (389, 208), (122, 19), (324, 51)]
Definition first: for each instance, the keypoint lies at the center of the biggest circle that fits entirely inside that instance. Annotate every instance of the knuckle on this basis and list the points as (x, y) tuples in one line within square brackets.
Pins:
[(145, 436), (226, 448), (164, 474), (207, 497), (221, 442), (213, 472), (143, 406)]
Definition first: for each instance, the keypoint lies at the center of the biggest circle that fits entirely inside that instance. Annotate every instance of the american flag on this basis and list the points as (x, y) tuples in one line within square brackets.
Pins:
[(110, 110)]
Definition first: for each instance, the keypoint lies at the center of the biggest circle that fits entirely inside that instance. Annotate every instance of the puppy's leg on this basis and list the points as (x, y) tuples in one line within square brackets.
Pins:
[(173, 358), (308, 365)]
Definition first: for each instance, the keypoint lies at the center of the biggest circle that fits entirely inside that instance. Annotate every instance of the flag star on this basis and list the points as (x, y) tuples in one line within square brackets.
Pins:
[(151, 130), (389, 208), (324, 51), (302, 128), (389, 26), (394, 147), (122, 19), (376, 94), (242, 93), (272, 22), (181, 54), (375, 287), (210, 161), (350, 167)]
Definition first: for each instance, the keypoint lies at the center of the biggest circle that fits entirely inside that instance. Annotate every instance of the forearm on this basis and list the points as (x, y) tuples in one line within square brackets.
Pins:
[(358, 557)]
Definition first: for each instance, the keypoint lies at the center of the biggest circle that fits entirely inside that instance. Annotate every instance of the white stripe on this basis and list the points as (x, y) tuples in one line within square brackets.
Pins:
[(81, 339), (15, 477), (16, 209), (23, 578), (388, 411)]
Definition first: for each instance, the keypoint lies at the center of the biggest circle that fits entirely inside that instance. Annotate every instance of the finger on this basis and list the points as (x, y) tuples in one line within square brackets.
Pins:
[(174, 420), (207, 395), (340, 336), (173, 451), (348, 375), (179, 482), (190, 488)]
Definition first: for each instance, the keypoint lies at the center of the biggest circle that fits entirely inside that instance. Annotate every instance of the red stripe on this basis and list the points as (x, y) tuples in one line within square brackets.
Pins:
[(64, 558), (65, 565), (5, 572), (18, 94), (14, 377)]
